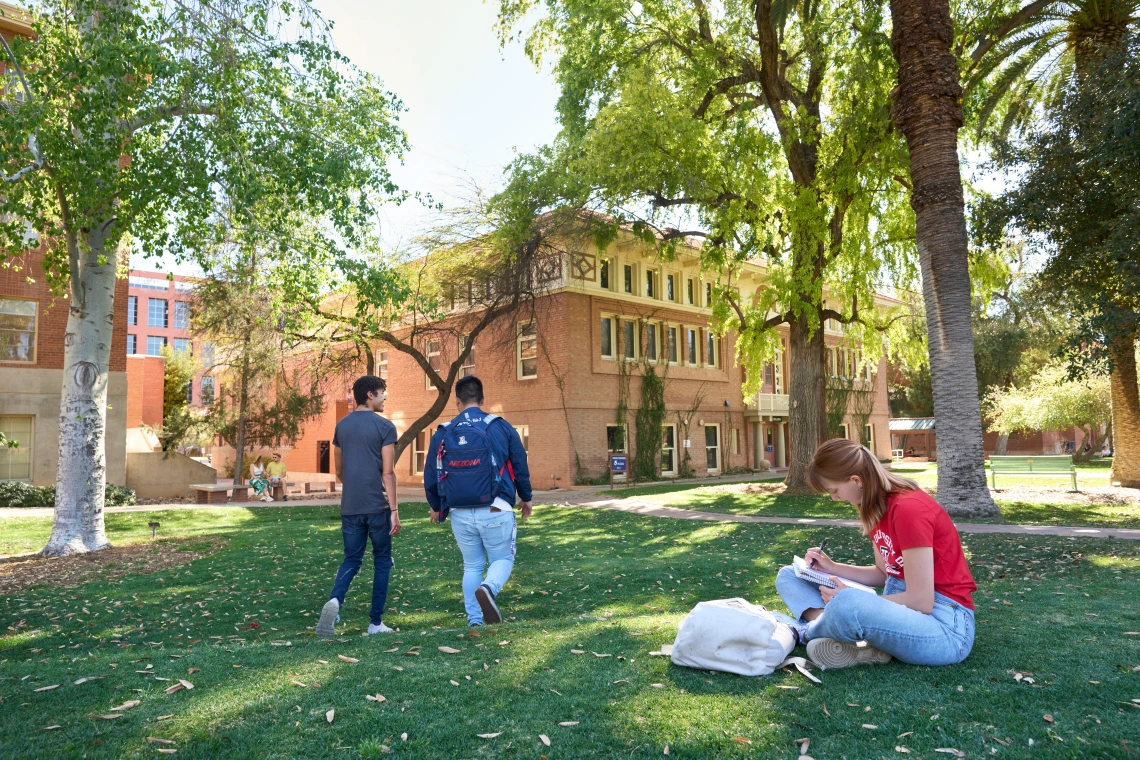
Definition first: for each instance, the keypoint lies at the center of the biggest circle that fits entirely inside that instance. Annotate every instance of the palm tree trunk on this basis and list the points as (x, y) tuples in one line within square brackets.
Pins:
[(1125, 413), (927, 111)]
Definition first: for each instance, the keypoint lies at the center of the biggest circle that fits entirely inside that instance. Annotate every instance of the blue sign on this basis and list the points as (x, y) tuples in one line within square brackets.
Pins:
[(617, 463)]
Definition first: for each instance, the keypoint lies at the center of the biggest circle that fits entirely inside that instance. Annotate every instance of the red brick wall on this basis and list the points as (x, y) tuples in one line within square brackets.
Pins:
[(52, 314), (145, 380)]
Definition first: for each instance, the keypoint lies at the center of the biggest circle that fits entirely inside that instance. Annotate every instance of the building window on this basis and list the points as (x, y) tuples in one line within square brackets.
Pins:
[(182, 346), (206, 397), (132, 344), (154, 345), (132, 310), (712, 447), (650, 283), (843, 431), (691, 346), (207, 349), (16, 464), (181, 315), (615, 439), (779, 372), (156, 312), (708, 294), (668, 449), (869, 437), (419, 451), (604, 274), (607, 338), (431, 353), (711, 353), (651, 342), (627, 284), (149, 283), (527, 348), (671, 287), (468, 366), (689, 293), (524, 434), (382, 365), (18, 330), (628, 339), (673, 345)]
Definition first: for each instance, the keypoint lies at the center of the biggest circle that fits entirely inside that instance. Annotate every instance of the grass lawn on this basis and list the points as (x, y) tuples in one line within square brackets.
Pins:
[(726, 500), (1094, 473), (591, 580)]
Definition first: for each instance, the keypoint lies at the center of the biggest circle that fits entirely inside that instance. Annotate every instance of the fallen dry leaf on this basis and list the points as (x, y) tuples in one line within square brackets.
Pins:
[(377, 698), (903, 750), (185, 683), (301, 684), (657, 685), (666, 750), (742, 740), (167, 751), (397, 667), (951, 751), (342, 658), (49, 728), (192, 671), (1048, 718), (577, 651), (88, 678), (165, 717), (127, 705), (404, 736), (454, 683), (568, 723), (490, 736), (393, 649), (174, 687), (450, 650), (323, 662), (330, 715), (870, 726), (602, 655), (544, 739), (47, 688), (782, 686), (904, 735), (107, 717), (156, 740)]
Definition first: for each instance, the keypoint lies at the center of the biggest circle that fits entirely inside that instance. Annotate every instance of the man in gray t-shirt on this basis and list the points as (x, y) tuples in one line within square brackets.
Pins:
[(364, 455)]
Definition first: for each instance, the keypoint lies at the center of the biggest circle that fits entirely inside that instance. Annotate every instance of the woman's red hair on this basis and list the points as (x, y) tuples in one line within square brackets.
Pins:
[(838, 460)]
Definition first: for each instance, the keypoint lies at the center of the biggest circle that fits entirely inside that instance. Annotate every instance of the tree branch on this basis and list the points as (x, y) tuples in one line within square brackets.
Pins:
[(986, 43)]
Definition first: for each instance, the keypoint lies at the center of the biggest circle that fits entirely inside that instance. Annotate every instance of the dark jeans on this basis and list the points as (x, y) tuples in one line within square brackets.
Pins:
[(357, 529)]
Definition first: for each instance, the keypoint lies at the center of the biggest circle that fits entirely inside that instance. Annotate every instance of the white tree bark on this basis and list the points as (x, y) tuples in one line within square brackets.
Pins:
[(77, 526)]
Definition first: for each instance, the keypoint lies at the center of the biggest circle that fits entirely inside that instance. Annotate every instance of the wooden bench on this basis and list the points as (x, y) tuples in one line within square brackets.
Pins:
[(214, 493), (278, 491), (1042, 465)]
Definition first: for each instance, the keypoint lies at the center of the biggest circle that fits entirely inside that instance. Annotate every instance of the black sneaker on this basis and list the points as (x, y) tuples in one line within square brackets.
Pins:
[(486, 601)]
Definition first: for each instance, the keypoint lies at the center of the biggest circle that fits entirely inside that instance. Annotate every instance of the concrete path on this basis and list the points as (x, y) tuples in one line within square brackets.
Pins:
[(588, 497)]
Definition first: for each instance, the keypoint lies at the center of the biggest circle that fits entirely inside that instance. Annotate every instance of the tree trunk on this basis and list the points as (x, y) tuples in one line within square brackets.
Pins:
[(1125, 413), (807, 408), (243, 398), (77, 525), (927, 111), (1002, 445)]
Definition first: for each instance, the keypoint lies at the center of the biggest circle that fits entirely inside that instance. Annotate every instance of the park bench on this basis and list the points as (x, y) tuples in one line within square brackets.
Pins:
[(214, 493), (278, 491), (1042, 465)]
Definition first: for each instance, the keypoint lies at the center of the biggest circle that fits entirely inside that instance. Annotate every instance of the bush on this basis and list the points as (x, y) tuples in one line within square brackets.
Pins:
[(16, 494)]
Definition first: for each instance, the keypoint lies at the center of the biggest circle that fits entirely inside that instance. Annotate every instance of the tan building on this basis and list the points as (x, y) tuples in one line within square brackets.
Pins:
[(560, 380)]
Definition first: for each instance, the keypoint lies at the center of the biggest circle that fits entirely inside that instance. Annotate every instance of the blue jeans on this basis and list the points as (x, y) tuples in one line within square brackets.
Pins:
[(944, 637), (484, 535), (357, 529)]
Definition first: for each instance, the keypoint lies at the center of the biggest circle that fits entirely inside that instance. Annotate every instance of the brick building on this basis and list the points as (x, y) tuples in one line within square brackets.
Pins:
[(558, 374), (158, 314)]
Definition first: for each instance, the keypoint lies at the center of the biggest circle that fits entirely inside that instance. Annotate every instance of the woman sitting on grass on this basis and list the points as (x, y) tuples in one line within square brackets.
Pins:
[(926, 613)]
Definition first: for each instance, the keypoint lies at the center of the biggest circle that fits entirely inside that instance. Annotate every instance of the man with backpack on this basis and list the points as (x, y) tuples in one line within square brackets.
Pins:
[(475, 467), (364, 455)]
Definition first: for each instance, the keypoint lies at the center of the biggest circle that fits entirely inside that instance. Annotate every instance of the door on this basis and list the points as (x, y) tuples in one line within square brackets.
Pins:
[(323, 456), (769, 443)]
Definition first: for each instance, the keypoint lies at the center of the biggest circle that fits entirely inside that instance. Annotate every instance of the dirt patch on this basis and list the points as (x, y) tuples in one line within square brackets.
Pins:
[(24, 571)]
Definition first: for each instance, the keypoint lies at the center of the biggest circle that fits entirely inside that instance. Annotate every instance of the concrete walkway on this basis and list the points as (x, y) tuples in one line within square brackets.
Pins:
[(588, 497)]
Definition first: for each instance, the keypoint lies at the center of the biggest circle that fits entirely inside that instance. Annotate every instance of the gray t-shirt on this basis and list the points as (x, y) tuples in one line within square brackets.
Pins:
[(361, 436)]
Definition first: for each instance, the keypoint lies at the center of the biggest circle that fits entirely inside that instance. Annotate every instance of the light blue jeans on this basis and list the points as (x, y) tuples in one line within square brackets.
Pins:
[(944, 637), (484, 536)]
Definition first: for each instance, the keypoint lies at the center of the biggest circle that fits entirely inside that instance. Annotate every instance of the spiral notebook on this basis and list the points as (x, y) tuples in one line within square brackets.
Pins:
[(804, 572)]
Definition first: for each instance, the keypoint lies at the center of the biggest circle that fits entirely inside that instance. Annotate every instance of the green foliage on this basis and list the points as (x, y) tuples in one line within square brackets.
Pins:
[(1050, 401), (649, 419), (181, 424), (15, 493)]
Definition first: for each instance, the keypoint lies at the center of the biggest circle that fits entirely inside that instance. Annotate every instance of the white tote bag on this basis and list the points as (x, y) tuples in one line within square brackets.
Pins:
[(734, 636)]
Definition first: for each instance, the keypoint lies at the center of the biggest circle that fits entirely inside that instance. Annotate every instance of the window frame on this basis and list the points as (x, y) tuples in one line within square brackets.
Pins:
[(672, 471), (132, 311), (604, 333), (652, 341), (717, 448), (692, 347), (35, 341), (132, 344), (6, 453), (184, 323), (165, 343), (202, 398), (712, 350), (624, 439), (429, 354), (670, 293), (382, 364), (673, 351), (869, 431), (150, 302), (845, 434), (630, 348), (604, 273), (468, 367), (427, 434), (652, 283), (189, 347), (519, 339), (524, 435), (690, 292), (628, 279)]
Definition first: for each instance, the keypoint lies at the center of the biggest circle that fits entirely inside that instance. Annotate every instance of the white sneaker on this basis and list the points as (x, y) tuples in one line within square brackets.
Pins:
[(330, 614), (832, 653), (374, 629), (269, 498)]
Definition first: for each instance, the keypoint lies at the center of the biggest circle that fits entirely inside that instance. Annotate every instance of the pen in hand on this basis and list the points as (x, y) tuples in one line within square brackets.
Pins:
[(822, 545)]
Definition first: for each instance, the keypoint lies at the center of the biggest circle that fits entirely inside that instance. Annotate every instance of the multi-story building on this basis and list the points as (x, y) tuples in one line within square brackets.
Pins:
[(581, 354), (158, 315)]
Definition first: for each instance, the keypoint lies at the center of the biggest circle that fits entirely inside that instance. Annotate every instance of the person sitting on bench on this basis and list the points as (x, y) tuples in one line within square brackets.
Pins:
[(277, 472)]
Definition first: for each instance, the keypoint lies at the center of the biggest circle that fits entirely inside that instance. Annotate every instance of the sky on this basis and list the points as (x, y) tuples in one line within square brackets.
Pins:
[(470, 104)]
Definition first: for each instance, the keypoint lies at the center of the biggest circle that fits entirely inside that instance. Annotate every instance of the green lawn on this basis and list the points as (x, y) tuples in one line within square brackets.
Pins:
[(724, 500), (1094, 473), (593, 580)]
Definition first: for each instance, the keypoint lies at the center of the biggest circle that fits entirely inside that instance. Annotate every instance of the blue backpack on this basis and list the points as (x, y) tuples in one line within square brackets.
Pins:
[(469, 470)]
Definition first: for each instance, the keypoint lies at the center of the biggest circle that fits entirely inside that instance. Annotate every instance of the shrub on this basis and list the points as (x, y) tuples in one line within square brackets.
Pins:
[(16, 494), (118, 496)]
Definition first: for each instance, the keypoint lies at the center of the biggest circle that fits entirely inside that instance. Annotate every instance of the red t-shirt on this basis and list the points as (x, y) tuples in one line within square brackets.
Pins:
[(914, 519)]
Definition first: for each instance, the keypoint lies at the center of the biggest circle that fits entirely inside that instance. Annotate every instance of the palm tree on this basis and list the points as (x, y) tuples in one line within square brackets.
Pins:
[(1016, 77), (928, 111)]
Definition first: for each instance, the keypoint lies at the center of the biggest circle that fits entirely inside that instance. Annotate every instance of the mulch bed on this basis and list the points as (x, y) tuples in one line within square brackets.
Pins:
[(27, 570)]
